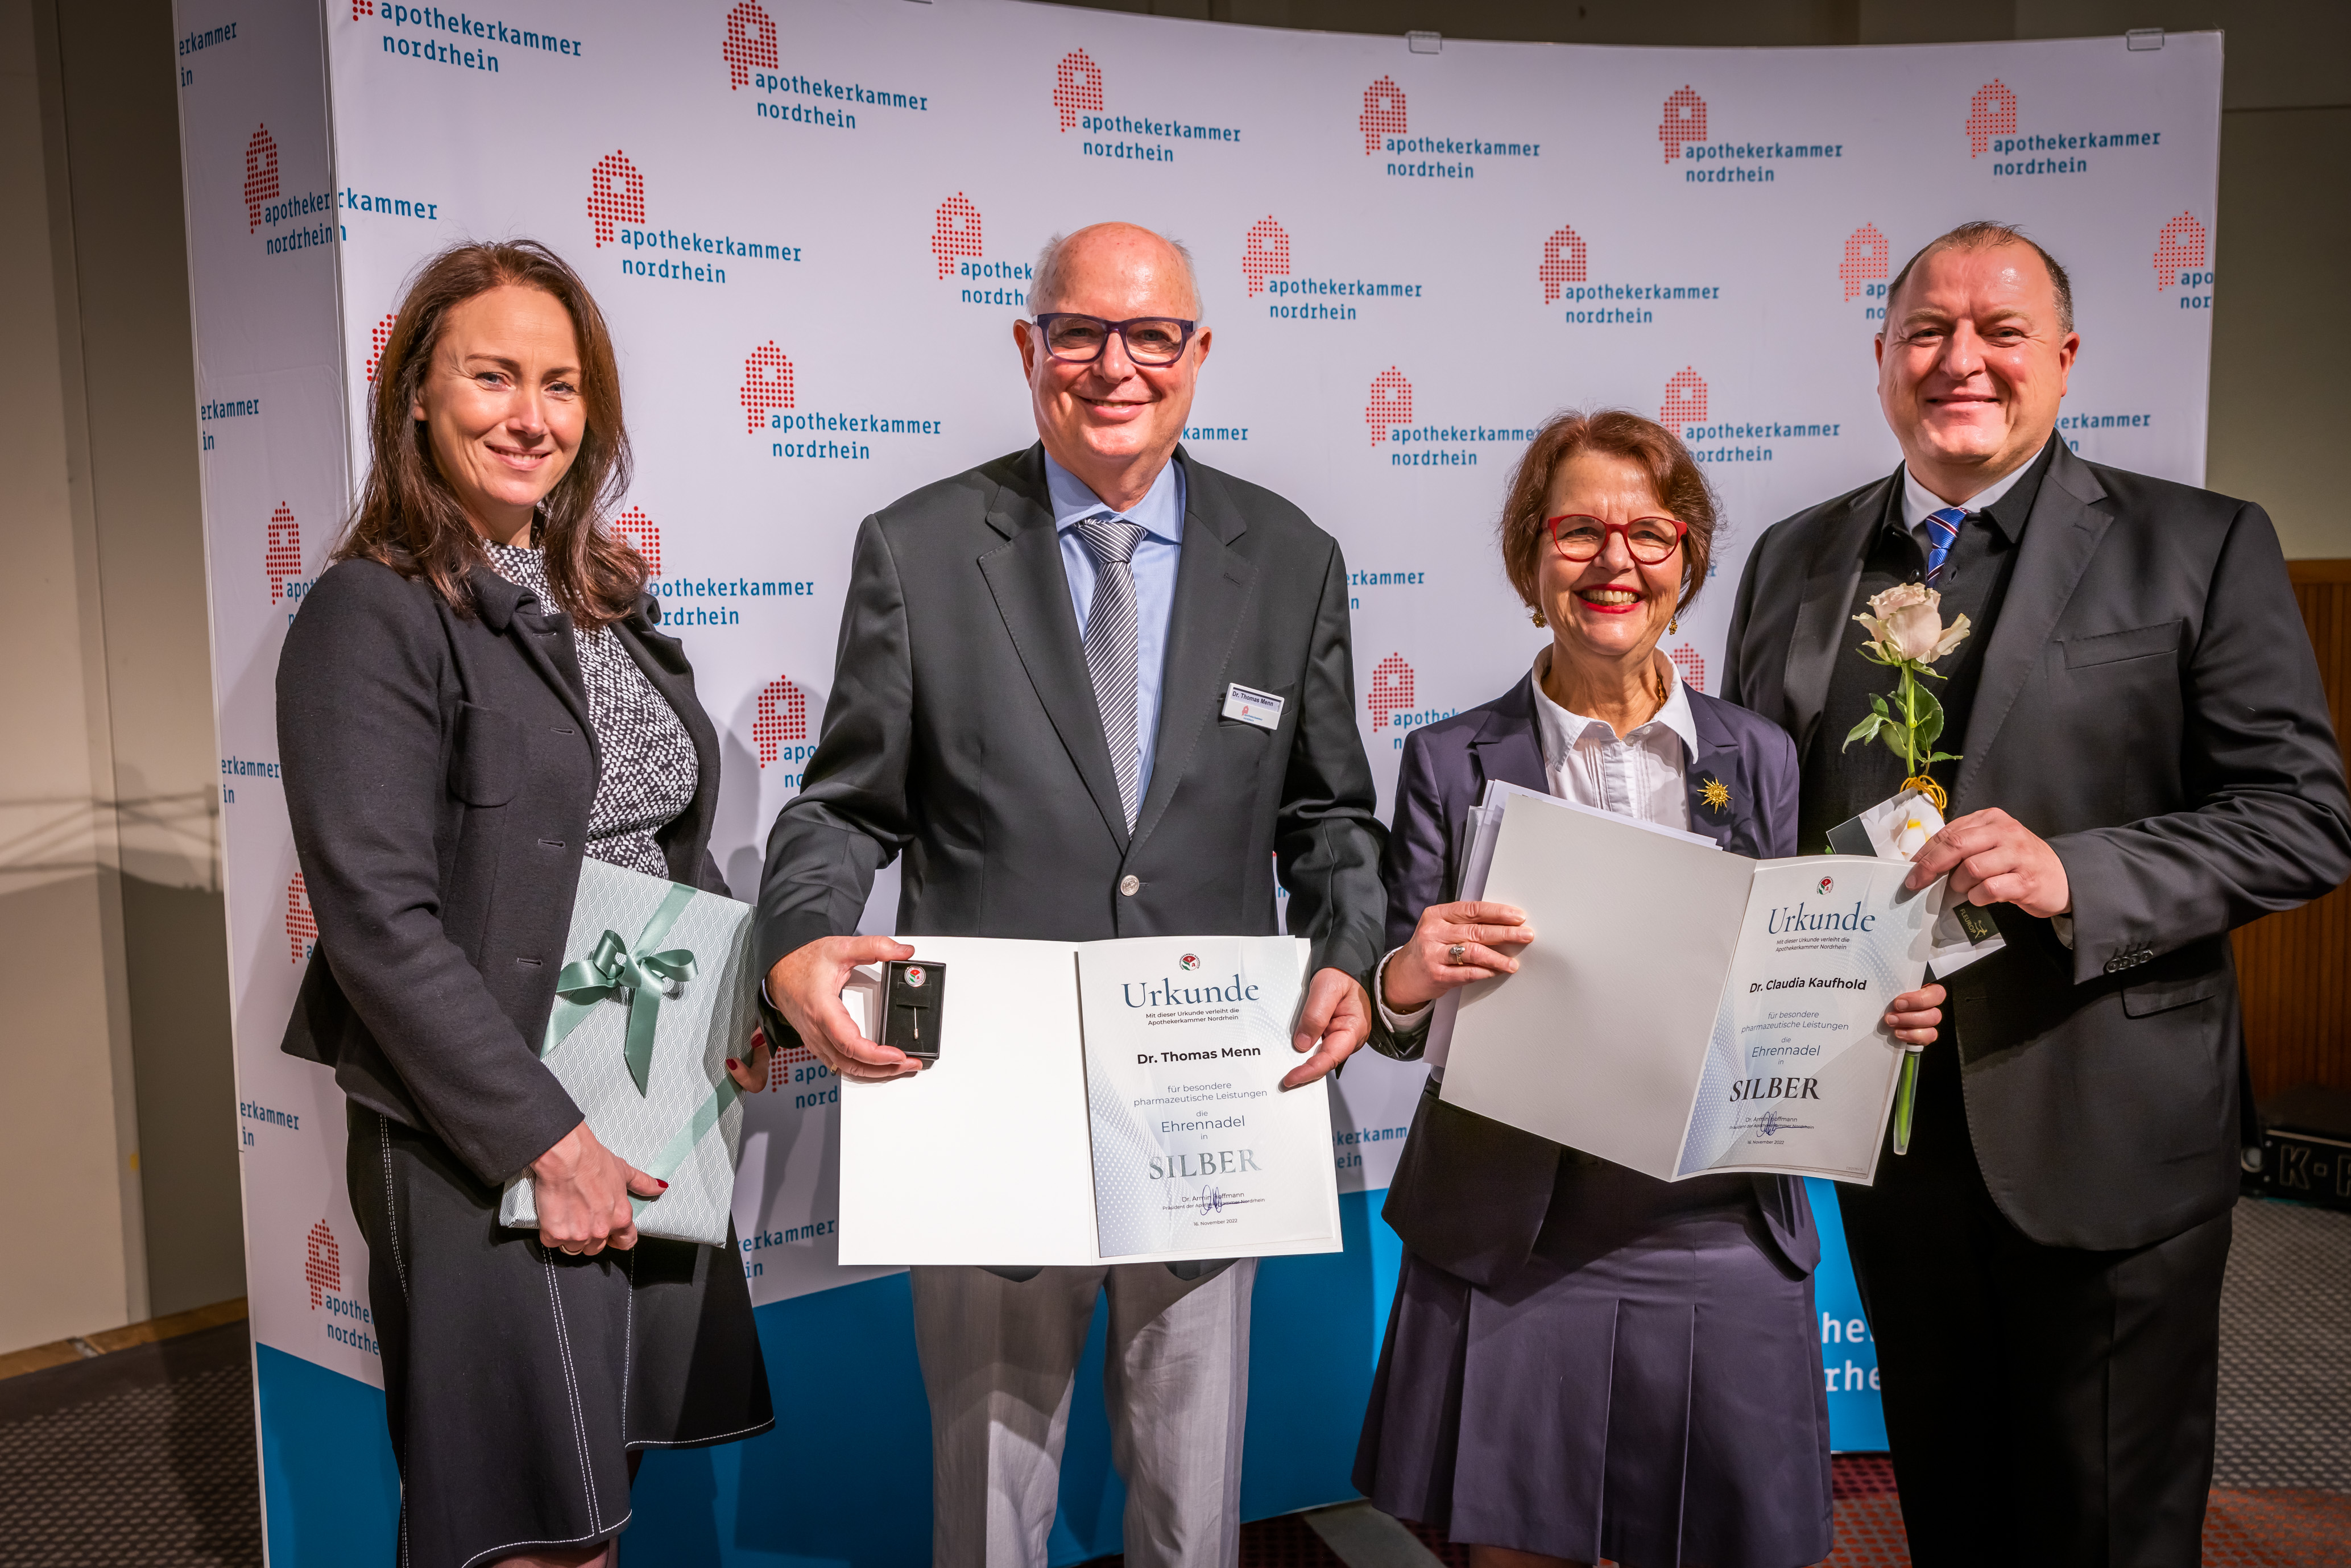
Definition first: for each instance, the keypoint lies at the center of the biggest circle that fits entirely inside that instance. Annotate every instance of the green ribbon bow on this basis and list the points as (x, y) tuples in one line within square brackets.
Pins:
[(636, 977)]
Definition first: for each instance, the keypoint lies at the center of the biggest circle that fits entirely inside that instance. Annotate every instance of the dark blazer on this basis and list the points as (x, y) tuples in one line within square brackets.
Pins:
[(962, 734), (1471, 1193), (439, 770), (2150, 704)]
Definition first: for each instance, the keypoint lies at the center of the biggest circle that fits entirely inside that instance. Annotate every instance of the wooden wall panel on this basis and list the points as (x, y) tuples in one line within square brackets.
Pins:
[(2295, 968)]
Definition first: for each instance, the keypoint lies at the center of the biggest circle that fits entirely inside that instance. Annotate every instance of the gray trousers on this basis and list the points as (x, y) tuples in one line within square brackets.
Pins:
[(1000, 1361)]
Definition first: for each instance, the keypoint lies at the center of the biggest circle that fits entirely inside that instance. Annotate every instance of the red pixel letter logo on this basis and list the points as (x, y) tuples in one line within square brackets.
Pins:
[(643, 532), (1390, 403), (322, 1264), (1684, 122), (1867, 259), (301, 925), (362, 8), (1685, 400), (260, 175), (2181, 243), (1391, 689), (781, 716), (377, 342), (1691, 664), (1077, 84), (954, 232), (1266, 254), (616, 194), (1383, 113), (1991, 112), (766, 384), (1562, 263), (750, 41), (281, 551)]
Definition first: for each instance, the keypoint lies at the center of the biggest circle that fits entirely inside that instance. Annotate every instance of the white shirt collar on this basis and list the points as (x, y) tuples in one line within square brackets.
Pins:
[(1917, 501), (1562, 728), (1160, 513)]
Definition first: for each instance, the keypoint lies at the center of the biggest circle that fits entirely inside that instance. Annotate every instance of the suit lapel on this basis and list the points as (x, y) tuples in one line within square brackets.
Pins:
[(1212, 584), (1717, 762), (1508, 748), (2061, 535), (1032, 595), (500, 605), (1825, 616)]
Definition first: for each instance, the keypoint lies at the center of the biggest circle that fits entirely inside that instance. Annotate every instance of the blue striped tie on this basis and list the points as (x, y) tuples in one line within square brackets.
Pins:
[(1942, 532)]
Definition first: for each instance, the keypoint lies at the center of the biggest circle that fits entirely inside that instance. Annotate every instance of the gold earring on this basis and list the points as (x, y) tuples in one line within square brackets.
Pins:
[(1537, 617), (1673, 626)]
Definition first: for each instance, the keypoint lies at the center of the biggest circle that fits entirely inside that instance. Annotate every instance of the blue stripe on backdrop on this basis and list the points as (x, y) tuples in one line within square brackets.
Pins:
[(1848, 1351), (845, 1478)]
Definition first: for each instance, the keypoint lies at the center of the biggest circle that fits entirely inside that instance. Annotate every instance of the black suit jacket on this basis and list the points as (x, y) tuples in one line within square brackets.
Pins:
[(2150, 704), (439, 770), (961, 733), (1470, 1193)]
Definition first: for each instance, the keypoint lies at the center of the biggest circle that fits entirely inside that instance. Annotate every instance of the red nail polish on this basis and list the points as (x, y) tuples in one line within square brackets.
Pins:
[(664, 1185), (732, 1064)]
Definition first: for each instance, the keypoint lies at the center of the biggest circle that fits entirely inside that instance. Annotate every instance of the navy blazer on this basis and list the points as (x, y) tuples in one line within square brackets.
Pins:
[(1470, 1193)]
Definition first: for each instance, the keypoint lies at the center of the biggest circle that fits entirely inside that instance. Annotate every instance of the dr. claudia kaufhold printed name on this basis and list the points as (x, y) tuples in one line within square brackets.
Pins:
[(1811, 982)]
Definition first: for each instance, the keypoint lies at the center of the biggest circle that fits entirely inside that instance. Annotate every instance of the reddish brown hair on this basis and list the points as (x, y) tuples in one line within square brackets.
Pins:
[(1617, 431), (408, 518)]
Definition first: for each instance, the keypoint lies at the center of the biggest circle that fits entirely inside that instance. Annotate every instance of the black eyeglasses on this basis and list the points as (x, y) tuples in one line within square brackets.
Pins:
[(1076, 340)]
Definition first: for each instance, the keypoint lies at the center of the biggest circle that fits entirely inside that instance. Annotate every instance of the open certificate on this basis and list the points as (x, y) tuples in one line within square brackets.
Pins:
[(1683, 1010), (1096, 1102)]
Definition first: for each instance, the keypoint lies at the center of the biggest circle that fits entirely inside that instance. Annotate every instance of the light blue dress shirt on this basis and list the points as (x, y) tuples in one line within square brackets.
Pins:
[(1160, 514)]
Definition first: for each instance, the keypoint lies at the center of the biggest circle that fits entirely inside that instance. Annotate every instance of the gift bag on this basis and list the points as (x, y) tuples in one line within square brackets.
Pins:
[(654, 994)]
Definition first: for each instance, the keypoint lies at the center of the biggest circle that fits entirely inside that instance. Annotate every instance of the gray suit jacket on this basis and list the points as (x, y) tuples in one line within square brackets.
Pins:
[(962, 734), (2150, 704), (439, 772)]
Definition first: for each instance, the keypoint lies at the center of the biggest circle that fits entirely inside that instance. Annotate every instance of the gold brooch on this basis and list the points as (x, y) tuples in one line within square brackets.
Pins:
[(1716, 795)]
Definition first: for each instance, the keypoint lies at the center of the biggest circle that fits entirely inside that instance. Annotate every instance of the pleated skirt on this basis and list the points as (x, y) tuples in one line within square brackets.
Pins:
[(1647, 1389), (519, 1383)]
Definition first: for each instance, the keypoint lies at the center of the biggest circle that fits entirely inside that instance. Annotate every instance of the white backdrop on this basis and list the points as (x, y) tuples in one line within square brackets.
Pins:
[(811, 224)]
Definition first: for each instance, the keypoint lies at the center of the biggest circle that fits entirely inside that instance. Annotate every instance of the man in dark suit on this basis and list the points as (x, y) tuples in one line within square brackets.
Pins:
[(2143, 761), (1030, 705)]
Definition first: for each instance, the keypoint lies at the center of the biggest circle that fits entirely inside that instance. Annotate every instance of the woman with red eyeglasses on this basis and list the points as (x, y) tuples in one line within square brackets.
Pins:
[(1583, 1362)]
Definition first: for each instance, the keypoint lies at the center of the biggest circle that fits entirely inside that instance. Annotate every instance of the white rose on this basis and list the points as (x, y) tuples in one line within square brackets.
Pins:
[(1906, 622)]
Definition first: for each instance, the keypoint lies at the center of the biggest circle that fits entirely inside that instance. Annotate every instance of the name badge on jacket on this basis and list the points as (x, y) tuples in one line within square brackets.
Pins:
[(1260, 709)]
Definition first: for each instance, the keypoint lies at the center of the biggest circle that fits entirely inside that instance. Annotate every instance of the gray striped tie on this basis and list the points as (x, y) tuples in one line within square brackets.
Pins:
[(1110, 653)]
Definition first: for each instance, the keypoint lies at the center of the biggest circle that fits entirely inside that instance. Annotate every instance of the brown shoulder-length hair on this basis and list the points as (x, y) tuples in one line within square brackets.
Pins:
[(1621, 434), (408, 518)]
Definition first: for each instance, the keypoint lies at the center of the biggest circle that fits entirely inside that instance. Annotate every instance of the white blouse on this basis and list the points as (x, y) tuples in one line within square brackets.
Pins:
[(1644, 775)]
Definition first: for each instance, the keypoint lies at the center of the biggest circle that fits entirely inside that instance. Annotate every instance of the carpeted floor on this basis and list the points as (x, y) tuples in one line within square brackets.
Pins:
[(145, 1456)]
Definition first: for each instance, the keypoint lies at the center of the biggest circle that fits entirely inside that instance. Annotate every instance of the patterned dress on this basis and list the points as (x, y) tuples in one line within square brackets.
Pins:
[(650, 770)]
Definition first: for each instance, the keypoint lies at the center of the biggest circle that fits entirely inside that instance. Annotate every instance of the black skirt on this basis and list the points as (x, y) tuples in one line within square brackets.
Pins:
[(519, 1382), (1647, 1388)]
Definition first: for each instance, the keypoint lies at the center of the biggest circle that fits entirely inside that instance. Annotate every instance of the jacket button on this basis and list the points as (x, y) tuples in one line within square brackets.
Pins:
[(2117, 964), (1129, 884)]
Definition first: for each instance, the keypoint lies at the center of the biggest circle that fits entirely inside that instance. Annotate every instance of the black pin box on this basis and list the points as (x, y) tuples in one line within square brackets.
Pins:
[(913, 1003), (2306, 1145)]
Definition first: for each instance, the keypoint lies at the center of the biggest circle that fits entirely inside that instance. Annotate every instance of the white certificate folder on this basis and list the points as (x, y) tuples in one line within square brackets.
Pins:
[(1096, 1102), (1683, 1010)]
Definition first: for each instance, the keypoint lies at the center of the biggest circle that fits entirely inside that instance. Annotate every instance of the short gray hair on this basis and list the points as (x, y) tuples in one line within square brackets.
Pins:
[(1045, 283), (1984, 234)]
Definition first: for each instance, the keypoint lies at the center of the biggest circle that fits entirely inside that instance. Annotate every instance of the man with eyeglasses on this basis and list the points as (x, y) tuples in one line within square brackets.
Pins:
[(1032, 706)]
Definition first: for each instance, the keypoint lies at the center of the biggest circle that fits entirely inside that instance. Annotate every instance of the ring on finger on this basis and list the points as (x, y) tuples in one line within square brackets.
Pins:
[(1453, 954)]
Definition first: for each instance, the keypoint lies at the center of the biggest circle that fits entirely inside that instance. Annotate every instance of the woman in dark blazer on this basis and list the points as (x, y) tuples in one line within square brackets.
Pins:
[(473, 697), (1583, 1362)]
